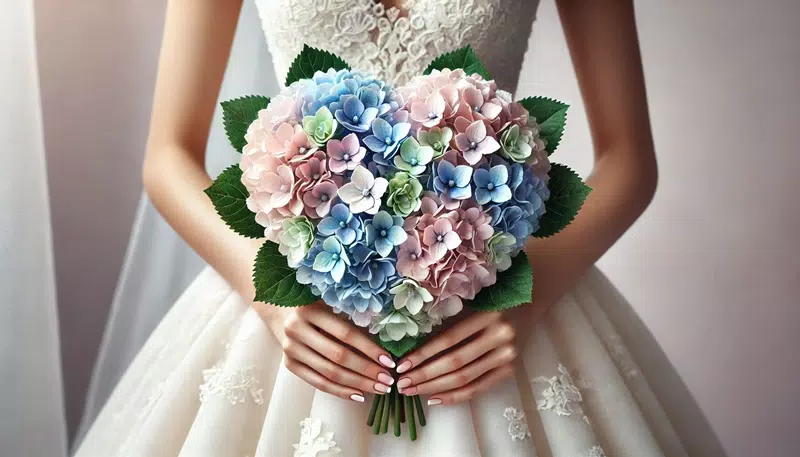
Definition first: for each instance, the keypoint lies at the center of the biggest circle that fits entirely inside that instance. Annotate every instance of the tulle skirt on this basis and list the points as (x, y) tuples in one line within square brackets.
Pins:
[(211, 382)]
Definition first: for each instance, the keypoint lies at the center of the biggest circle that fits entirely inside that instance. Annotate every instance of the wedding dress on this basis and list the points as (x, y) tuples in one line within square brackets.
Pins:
[(210, 381)]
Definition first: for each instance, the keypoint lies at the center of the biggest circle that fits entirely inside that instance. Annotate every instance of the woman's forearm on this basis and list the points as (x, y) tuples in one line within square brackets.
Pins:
[(621, 190), (175, 184)]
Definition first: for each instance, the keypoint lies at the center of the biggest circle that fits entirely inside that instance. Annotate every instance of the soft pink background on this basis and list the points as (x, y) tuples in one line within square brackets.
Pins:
[(712, 267)]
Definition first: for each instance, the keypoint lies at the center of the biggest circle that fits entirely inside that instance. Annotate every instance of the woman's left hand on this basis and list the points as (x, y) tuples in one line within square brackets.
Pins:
[(459, 374)]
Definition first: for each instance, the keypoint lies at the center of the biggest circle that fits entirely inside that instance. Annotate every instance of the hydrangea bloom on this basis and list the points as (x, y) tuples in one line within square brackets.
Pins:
[(396, 205)]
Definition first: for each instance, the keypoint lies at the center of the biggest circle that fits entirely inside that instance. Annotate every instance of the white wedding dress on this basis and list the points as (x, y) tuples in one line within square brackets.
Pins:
[(210, 381)]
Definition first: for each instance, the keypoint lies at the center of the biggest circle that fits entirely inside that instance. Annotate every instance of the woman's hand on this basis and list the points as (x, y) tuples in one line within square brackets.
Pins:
[(460, 373), (315, 343)]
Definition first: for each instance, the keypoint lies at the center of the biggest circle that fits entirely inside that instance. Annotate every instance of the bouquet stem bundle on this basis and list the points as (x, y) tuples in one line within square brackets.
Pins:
[(398, 408)]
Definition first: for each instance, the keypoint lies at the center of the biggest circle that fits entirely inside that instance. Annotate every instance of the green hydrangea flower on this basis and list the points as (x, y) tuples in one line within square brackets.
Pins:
[(498, 250), (295, 239), (514, 146), (413, 157), (404, 194), (320, 127), (437, 138)]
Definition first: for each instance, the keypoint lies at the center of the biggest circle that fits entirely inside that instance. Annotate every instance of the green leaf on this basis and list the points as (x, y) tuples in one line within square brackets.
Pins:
[(276, 282), (402, 347), (229, 197), (551, 116), (310, 60), (464, 58), (567, 194), (514, 287), (238, 114)]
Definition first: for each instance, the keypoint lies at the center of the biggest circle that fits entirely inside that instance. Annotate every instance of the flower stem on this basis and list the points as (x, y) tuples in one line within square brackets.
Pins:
[(420, 412), (381, 403), (412, 425), (397, 403), (373, 410), (387, 405), (402, 408)]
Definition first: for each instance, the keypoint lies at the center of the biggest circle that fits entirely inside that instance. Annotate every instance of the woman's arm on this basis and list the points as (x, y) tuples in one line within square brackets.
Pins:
[(601, 35), (197, 40)]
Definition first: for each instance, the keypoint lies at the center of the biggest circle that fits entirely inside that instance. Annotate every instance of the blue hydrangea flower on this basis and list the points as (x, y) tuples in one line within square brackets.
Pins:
[(384, 232), (354, 115), (492, 185), (386, 137), (528, 195), (333, 259), (342, 223), (453, 181), (376, 271)]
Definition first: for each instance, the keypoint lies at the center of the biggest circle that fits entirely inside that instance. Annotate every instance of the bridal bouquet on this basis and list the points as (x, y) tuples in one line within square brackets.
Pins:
[(396, 206)]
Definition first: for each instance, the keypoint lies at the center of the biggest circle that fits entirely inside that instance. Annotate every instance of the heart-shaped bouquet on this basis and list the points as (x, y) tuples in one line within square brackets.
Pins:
[(396, 206)]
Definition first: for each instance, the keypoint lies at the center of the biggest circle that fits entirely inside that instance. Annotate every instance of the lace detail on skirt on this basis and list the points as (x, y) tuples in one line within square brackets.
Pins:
[(562, 396), (517, 424), (313, 442)]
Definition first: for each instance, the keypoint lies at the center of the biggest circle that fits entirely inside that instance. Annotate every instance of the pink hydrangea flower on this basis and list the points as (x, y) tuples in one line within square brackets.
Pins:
[(412, 261), (318, 200), (440, 238), (279, 184), (476, 142), (312, 171), (346, 154)]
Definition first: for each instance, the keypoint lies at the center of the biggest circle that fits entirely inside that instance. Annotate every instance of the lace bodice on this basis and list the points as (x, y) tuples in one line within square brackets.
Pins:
[(398, 42)]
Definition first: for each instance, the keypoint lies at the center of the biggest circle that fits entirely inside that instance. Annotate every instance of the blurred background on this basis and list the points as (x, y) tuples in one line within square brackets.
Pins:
[(87, 267)]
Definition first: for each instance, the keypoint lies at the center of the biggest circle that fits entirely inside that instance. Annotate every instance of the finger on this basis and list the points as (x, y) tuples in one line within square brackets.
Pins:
[(493, 337), (449, 338), (459, 378), (320, 383), (474, 389), (335, 373), (340, 354), (349, 334)]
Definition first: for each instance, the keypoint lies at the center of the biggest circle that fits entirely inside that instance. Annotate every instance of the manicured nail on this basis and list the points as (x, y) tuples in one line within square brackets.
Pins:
[(403, 383), (405, 366), (386, 361), (357, 397), (385, 378), (434, 401), (382, 388)]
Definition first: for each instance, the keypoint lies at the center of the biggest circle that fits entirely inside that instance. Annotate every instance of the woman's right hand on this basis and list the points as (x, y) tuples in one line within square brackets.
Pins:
[(329, 353)]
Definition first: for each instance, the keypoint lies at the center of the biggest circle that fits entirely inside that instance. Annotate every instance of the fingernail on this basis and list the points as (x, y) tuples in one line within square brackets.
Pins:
[(403, 383), (410, 391), (386, 361), (434, 401), (357, 397), (405, 366), (382, 388), (385, 378)]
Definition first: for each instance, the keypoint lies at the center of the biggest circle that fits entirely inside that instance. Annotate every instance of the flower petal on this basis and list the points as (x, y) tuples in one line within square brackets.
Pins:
[(451, 240), (362, 178), (350, 193), (383, 246), (338, 271), (379, 187), (462, 175), (482, 195), (381, 129), (476, 131), (396, 235), (501, 194), (460, 193), (374, 143), (324, 262)]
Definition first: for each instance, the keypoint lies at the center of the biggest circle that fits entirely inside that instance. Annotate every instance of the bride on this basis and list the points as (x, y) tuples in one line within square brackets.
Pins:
[(223, 376)]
